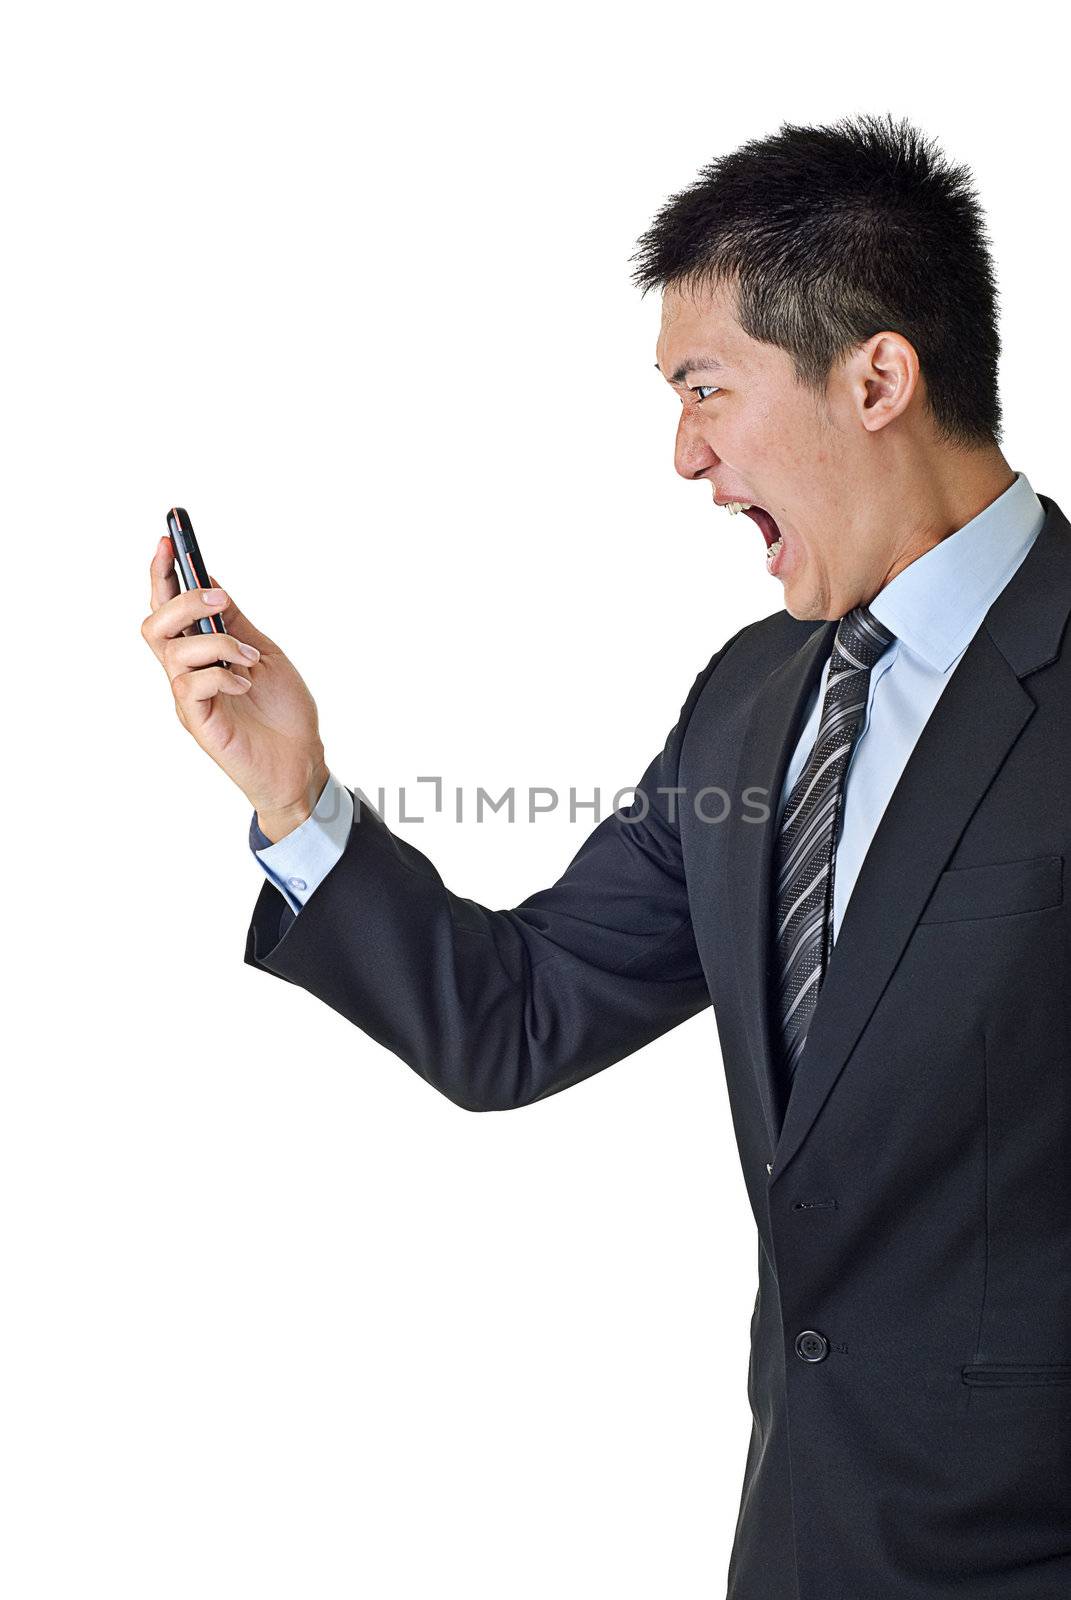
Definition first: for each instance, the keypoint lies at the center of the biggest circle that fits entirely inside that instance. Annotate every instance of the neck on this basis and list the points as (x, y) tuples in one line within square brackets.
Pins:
[(945, 501)]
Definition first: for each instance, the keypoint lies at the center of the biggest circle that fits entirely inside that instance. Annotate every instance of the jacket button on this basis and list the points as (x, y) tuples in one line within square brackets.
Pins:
[(811, 1346), (769, 1166)]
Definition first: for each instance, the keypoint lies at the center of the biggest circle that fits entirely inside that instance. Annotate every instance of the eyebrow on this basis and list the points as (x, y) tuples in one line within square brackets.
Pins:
[(704, 363)]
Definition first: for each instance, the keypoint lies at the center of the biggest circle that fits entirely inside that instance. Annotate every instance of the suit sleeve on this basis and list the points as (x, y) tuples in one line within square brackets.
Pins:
[(499, 1008)]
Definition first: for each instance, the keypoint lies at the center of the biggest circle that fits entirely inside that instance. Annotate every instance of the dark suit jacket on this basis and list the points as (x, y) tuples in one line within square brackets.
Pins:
[(910, 1375)]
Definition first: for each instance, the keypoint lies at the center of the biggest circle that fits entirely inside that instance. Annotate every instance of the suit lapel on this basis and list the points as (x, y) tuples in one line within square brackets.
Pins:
[(979, 716), (771, 735), (976, 721)]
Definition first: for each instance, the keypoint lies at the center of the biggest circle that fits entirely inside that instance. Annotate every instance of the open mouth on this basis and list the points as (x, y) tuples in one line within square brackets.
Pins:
[(770, 531)]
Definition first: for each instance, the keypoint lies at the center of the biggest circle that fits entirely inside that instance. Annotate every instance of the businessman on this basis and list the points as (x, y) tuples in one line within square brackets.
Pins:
[(852, 845)]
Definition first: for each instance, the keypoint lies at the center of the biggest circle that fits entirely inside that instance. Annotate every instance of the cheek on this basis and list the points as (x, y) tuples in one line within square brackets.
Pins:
[(794, 444), (738, 436), (768, 453)]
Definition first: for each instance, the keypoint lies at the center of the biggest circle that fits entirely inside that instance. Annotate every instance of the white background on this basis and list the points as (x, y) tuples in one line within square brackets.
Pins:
[(352, 286)]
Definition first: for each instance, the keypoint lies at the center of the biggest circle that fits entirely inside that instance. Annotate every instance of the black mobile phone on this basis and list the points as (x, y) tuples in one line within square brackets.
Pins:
[(189, 565)]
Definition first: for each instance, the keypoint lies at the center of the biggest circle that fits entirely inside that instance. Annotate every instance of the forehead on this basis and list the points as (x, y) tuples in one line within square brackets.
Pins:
[(699, 321)]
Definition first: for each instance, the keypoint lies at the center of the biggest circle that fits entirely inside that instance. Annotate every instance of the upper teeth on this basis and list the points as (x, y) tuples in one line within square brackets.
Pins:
[(738, 505)]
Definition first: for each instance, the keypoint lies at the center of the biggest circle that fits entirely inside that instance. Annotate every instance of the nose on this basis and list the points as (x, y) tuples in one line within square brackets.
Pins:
[(692, 455)]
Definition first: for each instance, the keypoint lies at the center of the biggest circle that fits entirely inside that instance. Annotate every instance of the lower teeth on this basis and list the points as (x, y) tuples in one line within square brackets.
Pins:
[(773, 551)]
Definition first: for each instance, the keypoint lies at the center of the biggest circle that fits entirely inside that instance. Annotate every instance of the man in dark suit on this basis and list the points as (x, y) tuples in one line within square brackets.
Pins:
[(852, 844)]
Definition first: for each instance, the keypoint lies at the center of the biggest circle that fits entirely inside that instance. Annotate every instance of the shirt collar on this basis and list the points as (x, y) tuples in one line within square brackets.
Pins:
[(937, 603)]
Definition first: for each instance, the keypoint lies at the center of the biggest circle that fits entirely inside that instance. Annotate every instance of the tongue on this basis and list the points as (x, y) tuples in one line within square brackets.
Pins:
[(770, 531)]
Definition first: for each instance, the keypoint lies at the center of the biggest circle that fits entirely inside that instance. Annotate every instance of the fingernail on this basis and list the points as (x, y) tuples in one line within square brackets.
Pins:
[(239, 679), (251, 651), (213, 597)]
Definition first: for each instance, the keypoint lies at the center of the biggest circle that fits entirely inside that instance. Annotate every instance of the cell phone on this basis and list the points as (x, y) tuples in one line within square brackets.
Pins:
[(189, 564)]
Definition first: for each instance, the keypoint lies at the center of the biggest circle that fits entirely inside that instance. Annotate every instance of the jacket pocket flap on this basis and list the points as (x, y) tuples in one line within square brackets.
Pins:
[(996, 889), (1002, 1373)]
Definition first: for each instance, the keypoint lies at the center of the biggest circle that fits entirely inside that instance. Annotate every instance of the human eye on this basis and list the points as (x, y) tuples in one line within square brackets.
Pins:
[(699, 393)]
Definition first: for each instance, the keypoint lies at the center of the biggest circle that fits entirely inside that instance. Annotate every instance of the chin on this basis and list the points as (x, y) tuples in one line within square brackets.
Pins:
[(802, 609)]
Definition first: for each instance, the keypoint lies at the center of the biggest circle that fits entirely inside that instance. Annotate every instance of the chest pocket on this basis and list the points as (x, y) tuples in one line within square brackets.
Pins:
[(996, 889)]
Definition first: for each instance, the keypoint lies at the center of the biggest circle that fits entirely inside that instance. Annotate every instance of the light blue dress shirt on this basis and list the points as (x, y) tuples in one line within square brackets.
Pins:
[(299, 863), (934, 607)]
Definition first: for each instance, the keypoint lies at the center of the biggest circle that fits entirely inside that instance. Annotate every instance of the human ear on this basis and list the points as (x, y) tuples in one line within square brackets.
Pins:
[(888, 377)]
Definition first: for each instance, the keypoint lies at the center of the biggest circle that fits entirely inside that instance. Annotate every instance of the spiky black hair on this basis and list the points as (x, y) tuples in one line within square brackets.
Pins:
[(831, 234)]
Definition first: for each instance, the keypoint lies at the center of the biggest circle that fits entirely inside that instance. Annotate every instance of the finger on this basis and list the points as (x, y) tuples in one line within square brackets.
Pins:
[(204, 650), (181, 611), (192, 687), (161, 592), (164, 582), (238, 623)]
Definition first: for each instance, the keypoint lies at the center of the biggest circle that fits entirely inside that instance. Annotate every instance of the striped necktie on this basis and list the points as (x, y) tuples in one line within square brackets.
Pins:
[(805, 848)]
